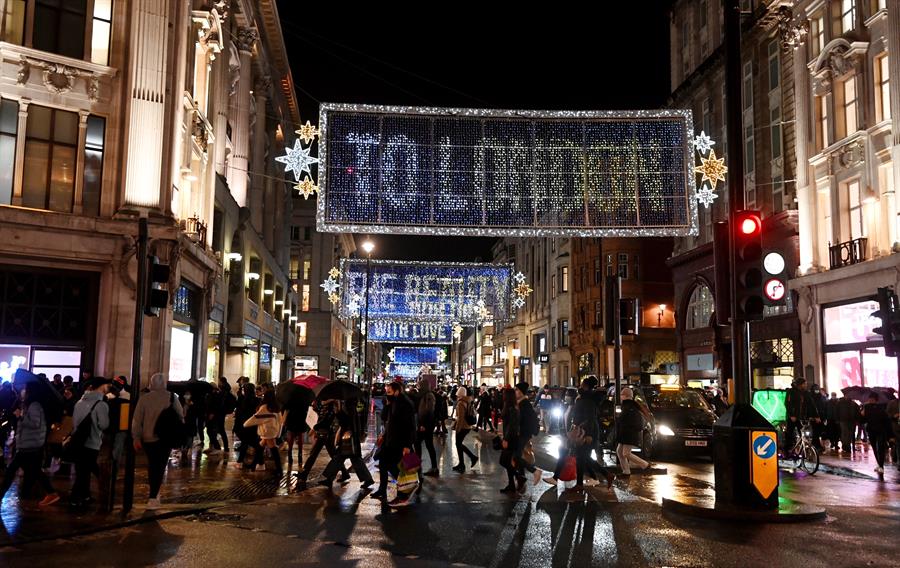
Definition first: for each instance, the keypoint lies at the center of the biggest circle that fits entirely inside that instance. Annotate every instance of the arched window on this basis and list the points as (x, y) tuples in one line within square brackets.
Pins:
[(700, 308)]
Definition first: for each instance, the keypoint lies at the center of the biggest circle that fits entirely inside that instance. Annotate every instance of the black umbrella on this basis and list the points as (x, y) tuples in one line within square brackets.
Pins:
[(340, 390), (862, 394), (43, 391), (292, 396)]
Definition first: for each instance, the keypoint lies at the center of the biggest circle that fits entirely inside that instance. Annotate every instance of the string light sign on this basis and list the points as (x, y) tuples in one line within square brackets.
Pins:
[(404, 370), (388, 331), (412, 291), (440, 171), (418, 355)]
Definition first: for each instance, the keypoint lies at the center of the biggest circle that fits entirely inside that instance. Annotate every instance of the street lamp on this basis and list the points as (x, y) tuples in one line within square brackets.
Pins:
[(659, 316), (367, 246)]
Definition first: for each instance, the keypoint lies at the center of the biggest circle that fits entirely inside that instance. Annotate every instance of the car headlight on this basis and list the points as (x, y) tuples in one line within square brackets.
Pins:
[(557, 412), (665, 430)]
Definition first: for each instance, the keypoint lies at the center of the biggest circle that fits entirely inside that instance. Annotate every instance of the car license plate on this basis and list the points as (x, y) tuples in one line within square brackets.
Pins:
[(698, 443)]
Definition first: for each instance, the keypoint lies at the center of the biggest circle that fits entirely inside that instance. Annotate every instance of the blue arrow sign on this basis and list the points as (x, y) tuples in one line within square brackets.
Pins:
[(764, 446)]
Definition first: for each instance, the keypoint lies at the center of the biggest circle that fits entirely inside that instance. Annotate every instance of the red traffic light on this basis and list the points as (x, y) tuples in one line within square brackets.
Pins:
[(750, 225)]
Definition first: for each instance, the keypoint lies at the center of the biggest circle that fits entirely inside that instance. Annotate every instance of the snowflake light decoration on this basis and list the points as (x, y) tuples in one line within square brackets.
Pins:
[(306, 187), (392, 354), (518, 303), (712, 168), (330, 286), (481, 310), (457, 331), (441, 356), (334, 299), (297, 160), (705, 195), (334, 272), (703, 143), (308, 132), (354, 304), (519, 278), (523, 290)]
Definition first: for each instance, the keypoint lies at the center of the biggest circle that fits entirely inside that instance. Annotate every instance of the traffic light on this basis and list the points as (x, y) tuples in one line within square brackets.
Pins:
[(747, 234), (157, 277), (629, 316), (774, 278), (889, 314)]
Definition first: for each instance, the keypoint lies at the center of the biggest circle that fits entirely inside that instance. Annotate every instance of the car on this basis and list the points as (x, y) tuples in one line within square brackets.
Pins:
[(684, 420)]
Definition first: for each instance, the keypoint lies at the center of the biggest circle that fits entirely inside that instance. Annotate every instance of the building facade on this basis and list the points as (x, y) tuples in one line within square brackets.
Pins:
[(770, 185), (848, 166), (112, 111)]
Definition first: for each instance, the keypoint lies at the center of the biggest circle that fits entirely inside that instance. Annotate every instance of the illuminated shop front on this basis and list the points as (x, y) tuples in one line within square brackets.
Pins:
[(853, 353)]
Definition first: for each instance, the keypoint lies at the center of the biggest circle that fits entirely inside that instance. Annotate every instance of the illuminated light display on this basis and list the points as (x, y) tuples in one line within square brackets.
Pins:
[(438, 171), (702, 143), (706, 195), (406, 332), (308, 132), (297, 160), (405, 370), (419, 355), (443, 292), (712, 169), (306, 188)]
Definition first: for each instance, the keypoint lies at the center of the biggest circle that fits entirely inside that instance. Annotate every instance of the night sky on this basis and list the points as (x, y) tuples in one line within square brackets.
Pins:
[(533, 58)]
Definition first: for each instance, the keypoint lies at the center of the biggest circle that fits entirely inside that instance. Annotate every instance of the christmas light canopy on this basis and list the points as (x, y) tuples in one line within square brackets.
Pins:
[(417, 170)]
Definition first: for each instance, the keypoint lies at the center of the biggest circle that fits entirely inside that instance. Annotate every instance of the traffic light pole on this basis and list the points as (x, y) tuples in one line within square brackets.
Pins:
[(137, 348), (740, 344)]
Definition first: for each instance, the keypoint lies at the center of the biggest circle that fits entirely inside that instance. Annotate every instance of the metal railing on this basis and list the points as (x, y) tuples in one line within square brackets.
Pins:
[(848, 252)]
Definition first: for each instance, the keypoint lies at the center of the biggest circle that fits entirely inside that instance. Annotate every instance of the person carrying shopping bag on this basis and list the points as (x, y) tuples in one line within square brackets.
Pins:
[(267, 420)]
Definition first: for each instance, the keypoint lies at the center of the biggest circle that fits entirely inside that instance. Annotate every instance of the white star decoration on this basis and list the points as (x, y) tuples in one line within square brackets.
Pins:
[(706, 195), (519, 277), (518, 303), (353, 305), (330, 286), (297, 160), (481, 310), (457, 331), (703, 143)]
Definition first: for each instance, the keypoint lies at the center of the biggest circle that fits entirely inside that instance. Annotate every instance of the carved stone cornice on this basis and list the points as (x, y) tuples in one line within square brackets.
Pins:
[(838, 58), (209, 33), (791, 32), (246, 39)]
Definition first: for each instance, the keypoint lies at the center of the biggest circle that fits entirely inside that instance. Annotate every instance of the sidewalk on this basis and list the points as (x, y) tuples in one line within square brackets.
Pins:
[(861, 464)]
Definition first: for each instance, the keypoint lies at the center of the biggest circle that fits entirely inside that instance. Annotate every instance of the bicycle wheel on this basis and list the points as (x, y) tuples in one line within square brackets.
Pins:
[(809, 460)]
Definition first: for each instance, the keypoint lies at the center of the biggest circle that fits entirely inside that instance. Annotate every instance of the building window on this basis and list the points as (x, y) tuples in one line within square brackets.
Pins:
[(622, 272), (59, 27), (598, 314), (598, 271), (553, 285), (185, 303), (685, 48), (564, 333), (93, 166), (9, 124), (747, 88), (778, 194), (854, 205), (774, 65), (775, 130), (817, 33), (848, 15), (749, 153), (50, 155), (100, 32), (301, 334), (554, 345), (822, 137), (882, 89), (564, 279), (846, 105), (304, 305), (700, 308), (306, 268), (706, 114), (12, 21)]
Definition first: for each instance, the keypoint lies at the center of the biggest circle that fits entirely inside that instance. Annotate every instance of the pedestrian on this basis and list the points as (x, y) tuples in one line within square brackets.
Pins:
[(818, 425), (90, 407), (584, 437), (425, 420), (629, 428), (250, 452), (832, 429), (465, 413), (893, 412), (529, 426), (295, 427), (31, 432), (511, 422), (144, 432), (847, 415), (215, 419), (497, 406), (440, 412), (267, 420), (485, 406), (398, 438), (195, 415), (878, 426), (324, 435), (544, 405), (799, 407), (57, 383), (347, 447), (113, 448)]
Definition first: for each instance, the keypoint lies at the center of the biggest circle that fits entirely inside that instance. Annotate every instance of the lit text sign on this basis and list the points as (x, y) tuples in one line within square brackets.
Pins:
[(441, 171), (427, 291), (388, 331), (419, 355)]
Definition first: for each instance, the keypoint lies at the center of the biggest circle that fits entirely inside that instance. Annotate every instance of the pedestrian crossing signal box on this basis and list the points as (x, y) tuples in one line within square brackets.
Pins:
[(745, 455)]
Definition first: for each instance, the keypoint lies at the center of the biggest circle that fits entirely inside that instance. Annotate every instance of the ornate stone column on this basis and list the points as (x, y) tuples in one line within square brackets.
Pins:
[(240, 134), (258, 165), (806, 195), (78, 203), (19, 172)]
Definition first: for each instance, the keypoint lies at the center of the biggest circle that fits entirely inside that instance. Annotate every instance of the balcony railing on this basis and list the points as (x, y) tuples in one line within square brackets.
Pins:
[(195, 229), (847, 253)]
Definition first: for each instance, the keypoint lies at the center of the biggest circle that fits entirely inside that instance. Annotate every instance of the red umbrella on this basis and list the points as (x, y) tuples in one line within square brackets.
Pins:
[(312, 382)]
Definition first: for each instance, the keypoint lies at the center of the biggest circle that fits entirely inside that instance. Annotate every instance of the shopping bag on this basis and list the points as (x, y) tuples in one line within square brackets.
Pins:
[(569, 470), (407, 481), (528, 454), (311, 418), (411, 462)]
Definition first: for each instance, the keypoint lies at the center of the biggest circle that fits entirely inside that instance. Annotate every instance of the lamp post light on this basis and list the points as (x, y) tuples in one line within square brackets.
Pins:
[(659, 316), (367, 246)]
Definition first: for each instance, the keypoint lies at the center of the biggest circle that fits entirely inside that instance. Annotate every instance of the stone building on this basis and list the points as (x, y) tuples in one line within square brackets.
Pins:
[(111, 111)]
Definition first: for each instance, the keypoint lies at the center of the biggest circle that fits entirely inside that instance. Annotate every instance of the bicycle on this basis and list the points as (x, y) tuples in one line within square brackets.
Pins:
[(804, 454)]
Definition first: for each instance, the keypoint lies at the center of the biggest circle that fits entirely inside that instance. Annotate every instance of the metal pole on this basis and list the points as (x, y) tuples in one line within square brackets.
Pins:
[(366, 377), (137, 348), (617, 337), (740, 346)]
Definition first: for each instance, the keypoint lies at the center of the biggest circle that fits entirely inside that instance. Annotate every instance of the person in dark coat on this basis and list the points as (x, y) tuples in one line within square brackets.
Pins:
[(529, 427), (511, 422), (799, 406), (247, 406), (832, 429), (426, 410), (818, 426), (629, 427), (585, 416), (347, 447), (847, 415), (485, 406), (440, 412), (878, 426), (399, 435), (324, 432)]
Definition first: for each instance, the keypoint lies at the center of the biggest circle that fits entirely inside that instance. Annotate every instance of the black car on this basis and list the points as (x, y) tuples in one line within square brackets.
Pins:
[(684, 420)]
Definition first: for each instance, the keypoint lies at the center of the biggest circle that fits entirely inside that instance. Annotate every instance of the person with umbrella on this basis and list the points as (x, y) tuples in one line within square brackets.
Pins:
[(398, 438), (847, 415), (31, 432), (323, 432), (878, 426)]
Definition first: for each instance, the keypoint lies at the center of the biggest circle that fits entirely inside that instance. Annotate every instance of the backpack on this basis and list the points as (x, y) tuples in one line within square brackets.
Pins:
[(169, 427), (76, 440), (471, 419)]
